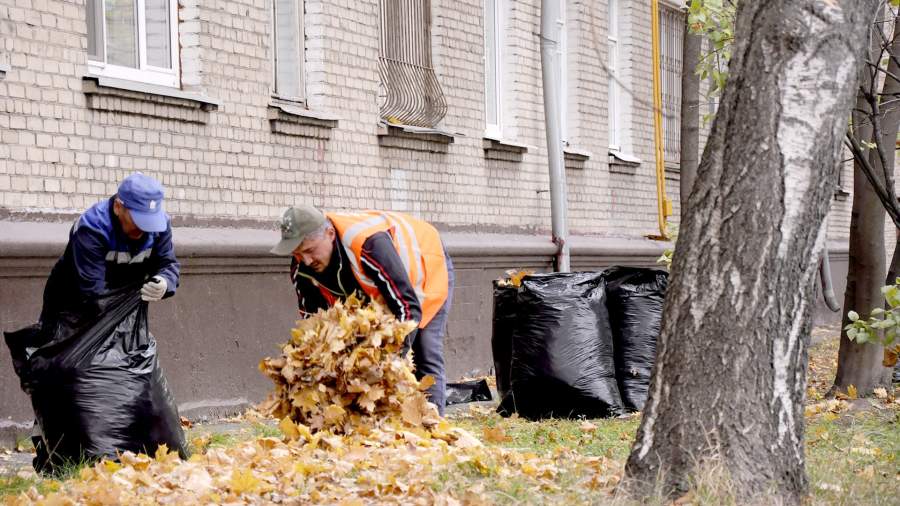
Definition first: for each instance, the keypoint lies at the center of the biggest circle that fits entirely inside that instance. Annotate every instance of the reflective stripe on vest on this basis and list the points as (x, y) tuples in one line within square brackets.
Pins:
[(417, 243)]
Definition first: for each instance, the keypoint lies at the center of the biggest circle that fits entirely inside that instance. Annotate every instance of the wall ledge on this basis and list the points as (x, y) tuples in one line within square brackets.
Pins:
[(129, 97)]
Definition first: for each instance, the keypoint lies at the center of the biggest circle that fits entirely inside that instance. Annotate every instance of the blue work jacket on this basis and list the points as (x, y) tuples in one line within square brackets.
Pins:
[(100, 257)]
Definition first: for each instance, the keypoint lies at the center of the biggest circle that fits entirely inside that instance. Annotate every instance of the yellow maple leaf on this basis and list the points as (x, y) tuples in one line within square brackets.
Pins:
[(307, 398), (243, 482), (111, 466), (495, 435), (161, 452), (293, 430), (851, 392), (426, 383), (289, 429), (411, 411), (334, 414)]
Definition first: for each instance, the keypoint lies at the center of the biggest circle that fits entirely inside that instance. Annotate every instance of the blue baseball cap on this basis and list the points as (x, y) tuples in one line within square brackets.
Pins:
[(143, 196)]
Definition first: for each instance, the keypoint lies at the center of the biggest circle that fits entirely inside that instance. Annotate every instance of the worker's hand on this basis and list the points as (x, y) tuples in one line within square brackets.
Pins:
[(154, 289)]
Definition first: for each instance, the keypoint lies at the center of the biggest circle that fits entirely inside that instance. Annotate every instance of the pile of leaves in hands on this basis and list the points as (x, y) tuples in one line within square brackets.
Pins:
[(343, 369)]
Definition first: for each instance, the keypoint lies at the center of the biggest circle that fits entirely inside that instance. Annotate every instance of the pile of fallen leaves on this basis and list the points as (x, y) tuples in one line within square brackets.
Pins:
[(343, 370), (384, 466)]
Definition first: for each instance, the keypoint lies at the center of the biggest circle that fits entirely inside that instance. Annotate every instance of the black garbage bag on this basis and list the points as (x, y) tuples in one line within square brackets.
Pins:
[(635, 299), (468, 391), (504, 322), (562, 353), (95, 384)]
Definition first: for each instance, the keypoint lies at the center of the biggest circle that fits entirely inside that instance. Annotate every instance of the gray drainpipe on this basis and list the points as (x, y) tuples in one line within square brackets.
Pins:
[(550, 69), (827, 287)]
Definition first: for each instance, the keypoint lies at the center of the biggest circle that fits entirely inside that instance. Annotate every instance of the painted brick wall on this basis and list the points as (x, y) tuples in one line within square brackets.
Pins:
[(59, 155)]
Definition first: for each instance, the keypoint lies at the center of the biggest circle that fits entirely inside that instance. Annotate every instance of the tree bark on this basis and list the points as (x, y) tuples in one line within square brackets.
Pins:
[(860, 365), (728, 385), (690, 113)]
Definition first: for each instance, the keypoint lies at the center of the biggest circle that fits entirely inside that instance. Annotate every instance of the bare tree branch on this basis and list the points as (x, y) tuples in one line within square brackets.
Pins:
[(860, 156)]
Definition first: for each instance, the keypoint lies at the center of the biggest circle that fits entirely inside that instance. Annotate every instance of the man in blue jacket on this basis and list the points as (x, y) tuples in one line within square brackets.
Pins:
[(126, 239)]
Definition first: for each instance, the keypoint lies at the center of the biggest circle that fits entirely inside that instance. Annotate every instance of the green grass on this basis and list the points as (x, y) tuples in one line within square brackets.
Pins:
[(855, 459), (260, 429), (223, 439), (608, 438), (12, 484)]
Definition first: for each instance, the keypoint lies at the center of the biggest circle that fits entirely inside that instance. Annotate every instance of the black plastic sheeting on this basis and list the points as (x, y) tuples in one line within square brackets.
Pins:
[(635, 299), (504, 321), (468, 391), (562, 355), (95, 384)]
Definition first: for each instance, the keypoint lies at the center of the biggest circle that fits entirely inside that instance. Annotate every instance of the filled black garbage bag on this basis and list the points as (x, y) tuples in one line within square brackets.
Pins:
[(562, 354), (468, 391), (504, 321), (635, 299), (95, 384)]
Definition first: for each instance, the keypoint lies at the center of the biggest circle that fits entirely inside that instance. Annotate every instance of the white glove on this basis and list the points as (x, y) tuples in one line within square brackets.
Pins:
[(154, 289)]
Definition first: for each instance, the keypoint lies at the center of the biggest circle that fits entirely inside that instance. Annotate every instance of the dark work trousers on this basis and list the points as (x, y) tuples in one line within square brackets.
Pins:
[(428, 348)]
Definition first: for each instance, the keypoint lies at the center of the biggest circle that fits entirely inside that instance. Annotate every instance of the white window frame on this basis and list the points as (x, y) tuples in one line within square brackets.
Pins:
[(612, 64), (144, 73), (495, 131), (300, 96), (563, 55)]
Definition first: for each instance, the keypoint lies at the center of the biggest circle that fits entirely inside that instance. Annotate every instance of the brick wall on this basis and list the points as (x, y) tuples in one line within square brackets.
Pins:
[(63, 149)]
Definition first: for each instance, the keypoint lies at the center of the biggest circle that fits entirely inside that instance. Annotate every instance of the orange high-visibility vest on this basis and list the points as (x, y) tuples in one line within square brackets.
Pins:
[(416, 241)]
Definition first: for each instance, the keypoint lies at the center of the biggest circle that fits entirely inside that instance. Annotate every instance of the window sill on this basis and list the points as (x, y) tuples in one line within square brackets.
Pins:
[(673, 172), (293, 119), (504, 150), (130, 97), (414, 138), (4, 68), (621, 163), (575, 158)]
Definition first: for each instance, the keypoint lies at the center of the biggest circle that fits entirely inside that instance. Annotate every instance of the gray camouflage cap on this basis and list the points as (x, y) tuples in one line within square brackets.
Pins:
[(296, 223)]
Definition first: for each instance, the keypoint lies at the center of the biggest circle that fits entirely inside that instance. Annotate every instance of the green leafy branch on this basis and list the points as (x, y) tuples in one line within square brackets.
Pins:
[(714, 21), (882, 325)]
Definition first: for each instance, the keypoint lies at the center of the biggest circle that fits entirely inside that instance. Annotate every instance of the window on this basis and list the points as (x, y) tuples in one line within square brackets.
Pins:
[(493, 58), (411, 93), (288, 43), (135, 40), (671, 37), (612, 63)]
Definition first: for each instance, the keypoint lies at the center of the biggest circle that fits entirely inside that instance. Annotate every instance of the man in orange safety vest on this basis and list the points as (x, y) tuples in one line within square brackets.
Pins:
[(381, 254)]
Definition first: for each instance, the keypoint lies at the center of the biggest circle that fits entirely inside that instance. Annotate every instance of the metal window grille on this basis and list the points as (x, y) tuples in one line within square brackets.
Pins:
[(412, 94), (671, 38)]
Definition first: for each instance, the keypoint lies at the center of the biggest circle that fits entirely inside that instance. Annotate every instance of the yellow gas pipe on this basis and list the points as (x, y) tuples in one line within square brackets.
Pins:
[(663, 205)]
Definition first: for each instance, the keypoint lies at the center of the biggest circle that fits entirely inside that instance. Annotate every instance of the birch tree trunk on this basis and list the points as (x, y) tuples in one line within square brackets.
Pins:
[(728, 385)]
